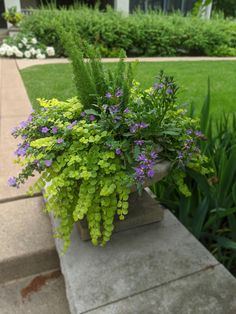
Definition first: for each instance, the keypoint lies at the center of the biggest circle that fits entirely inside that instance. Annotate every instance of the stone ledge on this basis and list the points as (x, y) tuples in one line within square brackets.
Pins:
[(133, 261), (27, 244)]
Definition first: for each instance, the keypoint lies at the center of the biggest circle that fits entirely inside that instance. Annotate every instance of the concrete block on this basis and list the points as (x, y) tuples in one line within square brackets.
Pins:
[(132, 262), (27, 244), (212, 290)]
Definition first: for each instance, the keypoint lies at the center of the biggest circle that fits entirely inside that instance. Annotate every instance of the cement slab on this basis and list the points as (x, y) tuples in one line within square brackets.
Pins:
[(132, 262), (209, 291), (40, 294), (27, 244)]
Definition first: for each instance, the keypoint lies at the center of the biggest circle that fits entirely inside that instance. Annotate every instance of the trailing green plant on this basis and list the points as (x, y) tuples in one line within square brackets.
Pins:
[(210, 211)]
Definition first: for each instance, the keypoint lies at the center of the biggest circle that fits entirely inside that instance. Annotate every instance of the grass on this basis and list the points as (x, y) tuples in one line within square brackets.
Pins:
[(56, 80)]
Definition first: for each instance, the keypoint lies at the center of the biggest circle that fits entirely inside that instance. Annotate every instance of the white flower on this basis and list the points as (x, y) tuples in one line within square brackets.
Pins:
[(20, 45), (24, 40), (27, 54), (34, 41), (40, 56), (38, 51), (19, 54), (9, 52), (32, 51), (2, 51), (50, 51), (15, 49)]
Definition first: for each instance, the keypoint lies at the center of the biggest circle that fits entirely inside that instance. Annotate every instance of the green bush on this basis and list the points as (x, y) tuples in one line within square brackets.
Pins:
[(140, 34), (210, 212)]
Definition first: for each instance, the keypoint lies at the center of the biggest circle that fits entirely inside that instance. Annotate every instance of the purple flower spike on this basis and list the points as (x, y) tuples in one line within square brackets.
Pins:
[(169, 91), (82, 114), (108, 95), (113, 109), (118, 151), (54, 130), (139, 142), (157, 86), (150, 173), (60, 140), (119, 92), (198, 133), (20, 152), (44, 129), (11, 181), (126, 110), (142, 157), (92, 117), (48, 163)]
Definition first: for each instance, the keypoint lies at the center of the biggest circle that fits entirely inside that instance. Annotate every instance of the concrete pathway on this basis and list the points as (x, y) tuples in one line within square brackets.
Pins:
[(25, 63), (27, 246)]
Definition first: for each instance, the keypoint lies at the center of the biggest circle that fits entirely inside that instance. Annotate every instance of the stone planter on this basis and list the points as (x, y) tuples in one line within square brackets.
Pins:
[(143, 209), (13, 31)]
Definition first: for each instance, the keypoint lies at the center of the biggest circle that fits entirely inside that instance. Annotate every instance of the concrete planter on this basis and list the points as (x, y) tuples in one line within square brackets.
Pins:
[(143, 209), (13, 31)]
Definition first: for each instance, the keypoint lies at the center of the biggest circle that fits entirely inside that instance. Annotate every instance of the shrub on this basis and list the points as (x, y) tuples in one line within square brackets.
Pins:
[(210, 212), (147, 34)]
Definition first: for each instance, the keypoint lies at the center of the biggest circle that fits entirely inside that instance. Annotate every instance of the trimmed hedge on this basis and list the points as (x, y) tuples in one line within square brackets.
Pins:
[(140, 34)]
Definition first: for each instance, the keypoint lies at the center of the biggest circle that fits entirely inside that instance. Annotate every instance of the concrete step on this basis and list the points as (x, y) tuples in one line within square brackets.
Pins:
[(39, 294), (27, 244)]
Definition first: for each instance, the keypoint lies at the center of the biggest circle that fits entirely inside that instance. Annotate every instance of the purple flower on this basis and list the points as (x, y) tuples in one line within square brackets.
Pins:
[(143, 125), (23, 124), (83, 114), (92, 117), (54, 130), (150, 173), (11, 181), (126, 110), (180, 155), (24, 137), (139, 142), (142, 157), (169, 91), (153, 155), (189, 131), (20, 151), (113, 109), (60, 140), (30, 118), (108, 95), (119, 92), (48, 163), (44, 129), (133, 128), (157, 86), (36, 161), (139, 172), (118, 151), (198, 133), (70, 126)]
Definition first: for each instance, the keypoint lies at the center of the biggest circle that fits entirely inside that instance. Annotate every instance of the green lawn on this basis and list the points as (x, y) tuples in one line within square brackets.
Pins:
[(50, 81)]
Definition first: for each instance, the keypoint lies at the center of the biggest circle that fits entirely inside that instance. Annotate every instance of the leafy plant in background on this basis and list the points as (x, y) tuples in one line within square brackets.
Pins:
[(210, 212), (93, 149), (139, 34)]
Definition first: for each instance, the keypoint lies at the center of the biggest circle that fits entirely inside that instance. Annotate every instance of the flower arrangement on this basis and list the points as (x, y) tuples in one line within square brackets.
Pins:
[(12, 16), (92, 149), (25, 46)]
